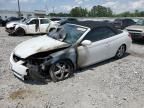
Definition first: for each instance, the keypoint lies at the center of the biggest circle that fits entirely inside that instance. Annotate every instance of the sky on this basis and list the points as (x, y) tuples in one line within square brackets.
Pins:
[(117, 6)]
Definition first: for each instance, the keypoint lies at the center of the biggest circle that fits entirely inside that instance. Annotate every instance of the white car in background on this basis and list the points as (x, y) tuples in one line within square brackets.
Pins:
[(137, 30), (71, 46), (56, 19), (31, 26)]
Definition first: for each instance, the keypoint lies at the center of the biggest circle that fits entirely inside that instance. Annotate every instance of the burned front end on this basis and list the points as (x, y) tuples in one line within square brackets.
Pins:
[(34, 67), (38, 66)]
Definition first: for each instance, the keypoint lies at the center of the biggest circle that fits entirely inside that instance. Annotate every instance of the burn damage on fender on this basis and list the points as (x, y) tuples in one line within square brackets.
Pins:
[(39, 64)]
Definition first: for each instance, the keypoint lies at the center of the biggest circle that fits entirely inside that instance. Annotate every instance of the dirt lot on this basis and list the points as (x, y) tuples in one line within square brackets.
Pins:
[(110, 84)]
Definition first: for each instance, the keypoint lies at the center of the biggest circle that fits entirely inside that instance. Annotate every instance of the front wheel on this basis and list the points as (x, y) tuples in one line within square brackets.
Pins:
[(121, 52), (20, 32), (61, 70)]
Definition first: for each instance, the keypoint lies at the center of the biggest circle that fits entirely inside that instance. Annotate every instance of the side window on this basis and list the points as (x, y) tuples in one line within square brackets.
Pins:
[(131, 22), (35, 21), (44, 21), (128, 22), (99, 34), (125, 22)]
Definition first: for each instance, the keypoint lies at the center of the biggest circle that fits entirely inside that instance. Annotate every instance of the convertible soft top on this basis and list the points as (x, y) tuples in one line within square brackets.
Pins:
[(94, 24)]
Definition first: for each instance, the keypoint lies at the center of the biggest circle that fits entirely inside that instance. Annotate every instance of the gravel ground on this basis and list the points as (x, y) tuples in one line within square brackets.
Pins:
[(110, 84)]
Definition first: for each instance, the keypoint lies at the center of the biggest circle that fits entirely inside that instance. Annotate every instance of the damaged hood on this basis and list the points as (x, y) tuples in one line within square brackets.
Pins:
[(12, 24), (15, 24), (38, 44)]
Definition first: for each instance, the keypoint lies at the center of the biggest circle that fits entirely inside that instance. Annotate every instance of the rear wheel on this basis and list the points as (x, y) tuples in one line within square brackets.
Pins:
[(61, 70), (121, 52)]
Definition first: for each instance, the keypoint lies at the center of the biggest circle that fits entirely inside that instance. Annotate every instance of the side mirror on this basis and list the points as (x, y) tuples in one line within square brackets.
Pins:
[(86, 42)]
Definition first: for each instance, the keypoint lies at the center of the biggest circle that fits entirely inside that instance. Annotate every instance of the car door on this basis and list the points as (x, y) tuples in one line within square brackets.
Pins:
[(33, 26), (113, 41), (44, 23), (95, 52)]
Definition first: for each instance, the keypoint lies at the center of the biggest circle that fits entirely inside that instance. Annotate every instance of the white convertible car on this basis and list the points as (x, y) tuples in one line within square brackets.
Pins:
[(70, 46), (30, 26)]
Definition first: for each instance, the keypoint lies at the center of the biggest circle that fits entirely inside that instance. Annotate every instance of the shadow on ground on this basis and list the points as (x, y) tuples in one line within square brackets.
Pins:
[(91, 67), (36, 82), (32, 35)]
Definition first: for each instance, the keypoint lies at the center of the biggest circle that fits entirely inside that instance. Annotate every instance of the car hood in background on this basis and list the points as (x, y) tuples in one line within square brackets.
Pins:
[(38, 44), (136, 27), (12, 24)]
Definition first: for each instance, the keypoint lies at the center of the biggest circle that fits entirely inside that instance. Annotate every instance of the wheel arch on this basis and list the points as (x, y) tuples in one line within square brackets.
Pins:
[(118, 49), (50, 29), (125, 46), (20, 28), (66, 59), (70, 61)]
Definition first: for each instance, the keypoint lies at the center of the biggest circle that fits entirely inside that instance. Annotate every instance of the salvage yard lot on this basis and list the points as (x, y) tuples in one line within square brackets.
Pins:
[(110, 84)]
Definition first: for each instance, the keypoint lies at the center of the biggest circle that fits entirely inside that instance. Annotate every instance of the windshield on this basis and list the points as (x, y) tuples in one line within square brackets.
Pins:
[(23, 20), (140, 22), (68, 33), (27, 20)]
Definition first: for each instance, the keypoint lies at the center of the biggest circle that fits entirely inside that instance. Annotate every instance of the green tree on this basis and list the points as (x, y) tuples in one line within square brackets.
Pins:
[(78, 12), (136, 13), (141, 14), (100, 11)]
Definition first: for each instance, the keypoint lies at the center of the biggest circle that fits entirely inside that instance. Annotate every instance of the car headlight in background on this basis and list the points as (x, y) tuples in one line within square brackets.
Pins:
[(14, 25), (142, 34)]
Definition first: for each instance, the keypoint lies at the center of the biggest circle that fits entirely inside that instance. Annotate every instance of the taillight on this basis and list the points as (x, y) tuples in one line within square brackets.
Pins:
[(129, 35), (142, 34)]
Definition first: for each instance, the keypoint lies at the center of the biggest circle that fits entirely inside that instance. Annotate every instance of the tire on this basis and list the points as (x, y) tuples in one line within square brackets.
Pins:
[(20, 32), (61, 70), (121, 52), (51, 29)]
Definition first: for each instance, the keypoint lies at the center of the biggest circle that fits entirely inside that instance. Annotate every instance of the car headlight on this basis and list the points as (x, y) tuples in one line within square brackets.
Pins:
[(14, 25), (142, 34)]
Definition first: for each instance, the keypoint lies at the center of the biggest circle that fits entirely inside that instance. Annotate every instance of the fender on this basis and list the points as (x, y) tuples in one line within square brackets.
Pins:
[(22, 26)]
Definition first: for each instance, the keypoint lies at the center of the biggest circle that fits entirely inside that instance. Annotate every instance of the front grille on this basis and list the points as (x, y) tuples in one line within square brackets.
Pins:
[(135, 34), (16, 58), (134, 30)]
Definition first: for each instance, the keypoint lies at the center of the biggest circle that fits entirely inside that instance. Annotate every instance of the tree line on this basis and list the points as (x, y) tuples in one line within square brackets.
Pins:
[(97, 11)]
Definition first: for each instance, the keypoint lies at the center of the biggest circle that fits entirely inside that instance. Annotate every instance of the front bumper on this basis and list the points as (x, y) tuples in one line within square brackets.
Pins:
[(10, 30), (18, 68), (23, 71)]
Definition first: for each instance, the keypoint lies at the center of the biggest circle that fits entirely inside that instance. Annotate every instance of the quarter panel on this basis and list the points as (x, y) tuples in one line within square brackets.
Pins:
[(116, 41)]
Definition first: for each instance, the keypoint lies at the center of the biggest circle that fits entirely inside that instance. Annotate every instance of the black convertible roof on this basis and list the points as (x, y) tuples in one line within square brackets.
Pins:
[(93, 24), (90, 24)]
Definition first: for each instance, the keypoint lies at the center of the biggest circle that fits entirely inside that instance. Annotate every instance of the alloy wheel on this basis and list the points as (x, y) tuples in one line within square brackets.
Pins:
[(61, 70)]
